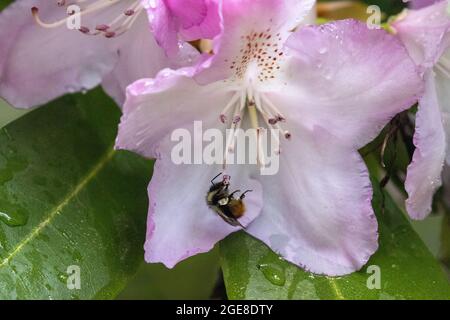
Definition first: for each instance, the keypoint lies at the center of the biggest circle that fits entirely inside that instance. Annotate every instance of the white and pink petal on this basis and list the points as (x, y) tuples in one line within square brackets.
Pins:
[(442, 82), (348, 77), (140, 57), (38, 64), (418, 4), (425, 32), (272, 20), (317, 209), (175, 21), (156, 107), (180, 224), (424, 173)]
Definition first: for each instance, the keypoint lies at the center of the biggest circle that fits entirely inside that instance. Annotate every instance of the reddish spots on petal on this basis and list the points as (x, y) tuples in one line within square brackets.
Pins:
[(262, 48)]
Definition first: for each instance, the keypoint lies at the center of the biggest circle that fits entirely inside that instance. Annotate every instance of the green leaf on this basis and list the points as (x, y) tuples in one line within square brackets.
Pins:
[(67, 198), (445, 240), (407, 268), (6, 3), (390, 7), (193, 278), (9, 114)]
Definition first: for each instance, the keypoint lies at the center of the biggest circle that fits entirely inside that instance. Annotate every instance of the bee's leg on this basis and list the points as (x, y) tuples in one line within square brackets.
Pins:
[(212, 180), (243, 194), (231, 194), (240, 225)]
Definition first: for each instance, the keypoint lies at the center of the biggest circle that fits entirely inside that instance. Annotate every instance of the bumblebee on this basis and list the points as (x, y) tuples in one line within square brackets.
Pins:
[(229, 208)]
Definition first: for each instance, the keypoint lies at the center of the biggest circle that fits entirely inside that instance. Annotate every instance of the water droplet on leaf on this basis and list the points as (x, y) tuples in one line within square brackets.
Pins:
[(274, 273), (15, 219)]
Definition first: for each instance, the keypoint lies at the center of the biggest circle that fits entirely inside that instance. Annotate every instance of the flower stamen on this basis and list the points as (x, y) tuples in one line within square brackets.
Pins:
[(235, 126), (116, 27), (257, 105), (223, 114)]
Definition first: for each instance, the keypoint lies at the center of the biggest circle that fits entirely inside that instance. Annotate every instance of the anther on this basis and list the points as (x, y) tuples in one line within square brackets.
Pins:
[(287, 135), (102, 27), (273, 121), (280, 118), (84, 30), (119, 25), (110, 34)]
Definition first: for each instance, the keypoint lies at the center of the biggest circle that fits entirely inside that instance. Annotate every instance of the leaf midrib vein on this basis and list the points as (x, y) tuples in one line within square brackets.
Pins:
[(57, 210), (335, 288)]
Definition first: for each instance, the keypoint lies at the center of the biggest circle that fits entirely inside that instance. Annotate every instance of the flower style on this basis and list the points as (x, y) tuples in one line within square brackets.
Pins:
[(426, 34), (329, 88), (41, 58)]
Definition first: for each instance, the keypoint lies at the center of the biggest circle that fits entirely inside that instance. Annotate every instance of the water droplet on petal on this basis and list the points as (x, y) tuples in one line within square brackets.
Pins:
[(323, 50)]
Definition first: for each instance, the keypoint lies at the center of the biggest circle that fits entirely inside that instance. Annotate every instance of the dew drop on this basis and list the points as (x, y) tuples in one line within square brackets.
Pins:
[(323, 50), (15, 219), (70, 89), (74, 297), (62, 277), (273, 273)]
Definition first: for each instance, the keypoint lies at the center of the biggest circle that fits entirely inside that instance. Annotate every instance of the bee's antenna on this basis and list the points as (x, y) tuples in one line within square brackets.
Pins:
[(212, 180), (231, 194), (243, 194)]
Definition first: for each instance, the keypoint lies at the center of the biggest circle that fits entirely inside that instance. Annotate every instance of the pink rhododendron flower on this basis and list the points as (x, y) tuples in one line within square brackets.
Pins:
[(43, 59), (418, 4), (426, 33), (185, 19), (329, 88)]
